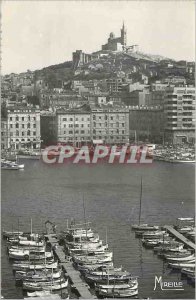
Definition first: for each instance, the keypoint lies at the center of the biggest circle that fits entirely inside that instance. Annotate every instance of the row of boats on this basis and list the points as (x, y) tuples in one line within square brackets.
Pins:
[(178, 154), (172, 251), (34, 265), (11, 165), (94, 260)]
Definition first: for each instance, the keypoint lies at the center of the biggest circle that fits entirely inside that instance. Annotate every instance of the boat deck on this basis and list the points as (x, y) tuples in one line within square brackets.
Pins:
[(74, 275), (179, 236)]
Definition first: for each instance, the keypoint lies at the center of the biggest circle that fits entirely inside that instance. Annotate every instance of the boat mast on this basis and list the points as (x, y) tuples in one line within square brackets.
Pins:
[(140, 202), (85, 216), (31, 226)]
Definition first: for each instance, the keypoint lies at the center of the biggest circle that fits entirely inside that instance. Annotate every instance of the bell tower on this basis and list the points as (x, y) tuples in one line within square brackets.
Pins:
[(123, 35)]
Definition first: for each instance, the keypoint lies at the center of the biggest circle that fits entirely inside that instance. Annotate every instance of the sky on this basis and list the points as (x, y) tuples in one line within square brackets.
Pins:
[(36, 33)]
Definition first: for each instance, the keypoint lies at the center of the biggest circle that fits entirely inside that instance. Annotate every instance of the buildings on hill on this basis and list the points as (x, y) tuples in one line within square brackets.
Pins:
[(125, 94)]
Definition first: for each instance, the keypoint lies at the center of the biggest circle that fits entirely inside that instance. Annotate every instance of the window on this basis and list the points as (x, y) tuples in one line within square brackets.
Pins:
[(11, 125), (34, 125), (28, 125), (82, 119), (28, 132), (34, 133), (71, 119), (123, 124), (70, 125), (23, 126), (29, 118), (70, 132), (17, 118), (17, 133), (82, 125), (94, 118), (111, 118), (123, 132), (17, 125), (10, 118), (64, 119), (82, 131), (23, 133), (64, 125), (22, 118)]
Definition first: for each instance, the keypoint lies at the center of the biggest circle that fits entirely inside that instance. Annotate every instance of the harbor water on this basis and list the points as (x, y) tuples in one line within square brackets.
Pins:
[(111, 193)]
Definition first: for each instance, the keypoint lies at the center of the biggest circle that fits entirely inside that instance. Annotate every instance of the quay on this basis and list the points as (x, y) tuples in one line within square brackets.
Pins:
[(74, 275), (179, 236)]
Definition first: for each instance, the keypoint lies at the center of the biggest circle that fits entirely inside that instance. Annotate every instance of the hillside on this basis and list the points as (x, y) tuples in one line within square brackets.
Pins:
[(114, 64)]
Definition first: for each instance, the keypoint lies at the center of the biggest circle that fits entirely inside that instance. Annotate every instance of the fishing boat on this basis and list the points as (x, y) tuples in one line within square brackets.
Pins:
[(118, 277), (155, 234), (104, 270), (40, 286), (175, 247), (31, 243), (88, 251), (11, 234), (29, 254), (40, 249), (184, 253), (77, 233), (91, 267), (38, 275), (86, 246), (29, 266), (10, 165), (93, 255), (139, 226), (93, 260), (181, 259), (117, 290), (181, 265)]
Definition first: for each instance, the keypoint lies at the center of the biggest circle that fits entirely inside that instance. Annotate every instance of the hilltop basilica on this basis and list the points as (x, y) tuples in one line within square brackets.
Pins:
[(116, 44)]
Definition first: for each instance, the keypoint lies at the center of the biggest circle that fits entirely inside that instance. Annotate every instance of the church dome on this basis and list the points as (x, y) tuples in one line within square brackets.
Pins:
[(112, 36)]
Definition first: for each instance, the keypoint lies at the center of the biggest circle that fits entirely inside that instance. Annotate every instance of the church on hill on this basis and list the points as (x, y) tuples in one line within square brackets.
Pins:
[(116, 43)]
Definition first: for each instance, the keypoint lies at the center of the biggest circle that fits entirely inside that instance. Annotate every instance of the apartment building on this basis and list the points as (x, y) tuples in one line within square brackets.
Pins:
[(110, 125), (23, 125), (179, 109), (146, 123), (73, 126)]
